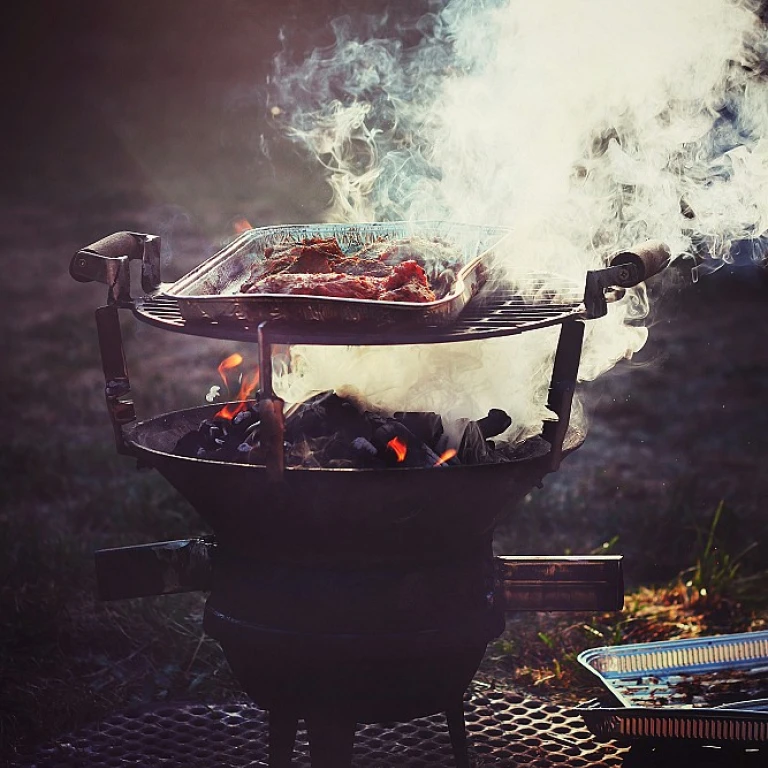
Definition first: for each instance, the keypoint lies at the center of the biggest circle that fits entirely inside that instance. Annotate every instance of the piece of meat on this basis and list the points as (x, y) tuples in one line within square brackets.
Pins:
[(355, 266), (408, 282), (326, 245), (406, 272), (409, 291), (310, 256), (310, 262), (342, 286)]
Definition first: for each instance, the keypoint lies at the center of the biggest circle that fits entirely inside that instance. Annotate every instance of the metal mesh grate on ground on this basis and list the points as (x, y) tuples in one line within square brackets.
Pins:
[(504, 729)]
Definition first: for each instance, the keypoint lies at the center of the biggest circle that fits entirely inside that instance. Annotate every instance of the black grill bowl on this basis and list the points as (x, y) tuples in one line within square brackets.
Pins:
[(336, 514)]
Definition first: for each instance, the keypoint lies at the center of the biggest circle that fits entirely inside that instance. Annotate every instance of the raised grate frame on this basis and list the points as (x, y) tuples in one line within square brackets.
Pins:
[(502, 312)]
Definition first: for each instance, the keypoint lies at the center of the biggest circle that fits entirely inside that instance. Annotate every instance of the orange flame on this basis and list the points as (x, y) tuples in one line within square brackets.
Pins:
[(227, 364), (248, 384), (247, 388), (445, 456), (242, 225), (399, 447)]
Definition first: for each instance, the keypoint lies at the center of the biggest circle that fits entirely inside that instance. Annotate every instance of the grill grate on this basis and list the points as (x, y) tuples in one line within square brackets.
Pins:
[(504, 729), (501, 312)]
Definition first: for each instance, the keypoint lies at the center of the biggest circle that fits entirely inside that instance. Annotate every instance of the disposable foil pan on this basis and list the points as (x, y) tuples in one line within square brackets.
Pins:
[(682, 690), (211, 291)]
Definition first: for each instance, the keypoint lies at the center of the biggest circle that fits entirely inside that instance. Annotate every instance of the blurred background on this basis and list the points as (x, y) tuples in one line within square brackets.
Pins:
[(151, 116)]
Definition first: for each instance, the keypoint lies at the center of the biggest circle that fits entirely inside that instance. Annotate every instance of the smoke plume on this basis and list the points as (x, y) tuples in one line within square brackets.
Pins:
[(586, 126)]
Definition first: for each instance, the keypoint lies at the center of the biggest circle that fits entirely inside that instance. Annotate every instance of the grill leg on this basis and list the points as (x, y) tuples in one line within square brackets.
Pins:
[(331, 739), (282, 737), (458, 732)]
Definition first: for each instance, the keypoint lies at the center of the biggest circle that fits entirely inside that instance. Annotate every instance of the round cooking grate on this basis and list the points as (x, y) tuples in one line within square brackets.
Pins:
[(504, 729), (503, 312)]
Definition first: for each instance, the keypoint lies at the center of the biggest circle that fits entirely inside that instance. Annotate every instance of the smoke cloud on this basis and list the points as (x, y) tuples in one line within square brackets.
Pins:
[(586, 126)]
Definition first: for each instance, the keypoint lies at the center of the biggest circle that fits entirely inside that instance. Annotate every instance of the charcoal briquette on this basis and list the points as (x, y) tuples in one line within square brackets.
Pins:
[(496, 422), (243, 417)]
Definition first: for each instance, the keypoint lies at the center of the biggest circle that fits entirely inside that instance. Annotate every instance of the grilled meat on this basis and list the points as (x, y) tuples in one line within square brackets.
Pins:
[(319, 267)]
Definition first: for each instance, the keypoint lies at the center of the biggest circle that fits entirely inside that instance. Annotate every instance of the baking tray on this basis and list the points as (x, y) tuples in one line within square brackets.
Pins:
[(210, 292), (708, 690)]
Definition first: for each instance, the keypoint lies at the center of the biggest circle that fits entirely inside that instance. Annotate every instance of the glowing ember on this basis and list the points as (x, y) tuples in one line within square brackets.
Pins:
[(399, 447), (241, 225), (445, 456)]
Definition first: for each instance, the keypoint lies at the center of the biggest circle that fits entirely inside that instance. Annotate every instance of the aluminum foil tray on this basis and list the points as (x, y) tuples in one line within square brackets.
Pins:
[(211, 291), (711, 690)]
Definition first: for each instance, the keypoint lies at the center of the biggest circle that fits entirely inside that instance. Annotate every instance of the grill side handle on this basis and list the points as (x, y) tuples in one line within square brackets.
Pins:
[(648, 258), (627, 269), (567, 583), (107, 261), (161, 568)]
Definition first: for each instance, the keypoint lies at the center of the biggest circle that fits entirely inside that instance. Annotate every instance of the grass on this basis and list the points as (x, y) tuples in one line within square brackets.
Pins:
[(65, 658), (714, 595)]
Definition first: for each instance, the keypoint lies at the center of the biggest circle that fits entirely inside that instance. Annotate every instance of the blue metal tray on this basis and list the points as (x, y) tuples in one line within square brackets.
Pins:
[(711, 690)]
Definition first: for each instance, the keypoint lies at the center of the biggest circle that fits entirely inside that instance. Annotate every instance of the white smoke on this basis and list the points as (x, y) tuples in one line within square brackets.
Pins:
[(586, 126)]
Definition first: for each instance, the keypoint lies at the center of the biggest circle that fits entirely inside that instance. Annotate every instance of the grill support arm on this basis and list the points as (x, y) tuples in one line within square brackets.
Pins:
[(270, 409), (589, 583), (162, 568), (568, 583), (117, 387), (562, 387)]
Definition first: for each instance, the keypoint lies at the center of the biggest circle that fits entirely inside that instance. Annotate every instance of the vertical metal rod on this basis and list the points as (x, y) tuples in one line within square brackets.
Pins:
[(562, 386), (265, 361), (270, 409), (117, 387)]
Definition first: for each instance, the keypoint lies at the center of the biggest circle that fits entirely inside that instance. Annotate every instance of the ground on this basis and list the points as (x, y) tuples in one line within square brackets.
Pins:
[(122, 140)]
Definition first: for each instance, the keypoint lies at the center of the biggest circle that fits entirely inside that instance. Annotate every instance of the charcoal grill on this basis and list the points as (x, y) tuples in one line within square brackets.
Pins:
[(328, 609)]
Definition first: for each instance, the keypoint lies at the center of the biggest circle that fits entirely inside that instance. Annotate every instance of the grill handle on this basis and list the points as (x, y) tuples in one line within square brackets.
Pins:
[(627, 269), (162, 568), (648, 259), (107, 261), (521, 583), (567, 583)]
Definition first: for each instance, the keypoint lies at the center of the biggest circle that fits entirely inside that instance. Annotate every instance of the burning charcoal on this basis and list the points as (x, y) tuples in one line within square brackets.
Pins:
[(496, 422), (244, 451), (427, 427), (363, 446), (331, 431), (244, 417), (398, 446), (366, 454), (209, 430), (325, 414), (229, 450)]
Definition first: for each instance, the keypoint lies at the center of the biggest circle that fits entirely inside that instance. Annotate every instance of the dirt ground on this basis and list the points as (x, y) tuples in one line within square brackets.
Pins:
[(149, 119)]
